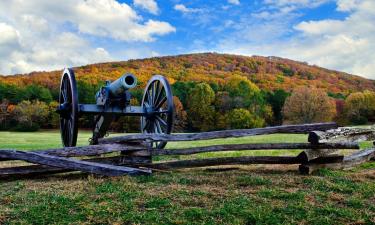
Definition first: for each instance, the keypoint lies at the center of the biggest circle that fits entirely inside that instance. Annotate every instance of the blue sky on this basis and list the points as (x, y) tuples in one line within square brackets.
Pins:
[(46, 35)]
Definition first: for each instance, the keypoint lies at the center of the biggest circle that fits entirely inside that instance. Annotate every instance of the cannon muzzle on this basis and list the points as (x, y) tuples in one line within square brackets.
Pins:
[(122, 84)]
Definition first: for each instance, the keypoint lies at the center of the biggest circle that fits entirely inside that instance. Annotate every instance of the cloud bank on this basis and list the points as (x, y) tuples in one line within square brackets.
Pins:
[(44, 35), (343, 44)]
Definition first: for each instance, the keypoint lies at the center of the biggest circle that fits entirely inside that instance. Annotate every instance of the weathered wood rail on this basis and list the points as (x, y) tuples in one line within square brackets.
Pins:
[(136, 155), (287, 129)]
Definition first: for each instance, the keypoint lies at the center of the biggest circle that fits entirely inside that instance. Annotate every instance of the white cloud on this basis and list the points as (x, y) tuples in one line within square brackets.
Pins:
[(149, 5), (184, 9), (347, 44), (9, 35), (234, 2), (297, 3), (116, 20), (347, 5), (343, 44), (45, 35)]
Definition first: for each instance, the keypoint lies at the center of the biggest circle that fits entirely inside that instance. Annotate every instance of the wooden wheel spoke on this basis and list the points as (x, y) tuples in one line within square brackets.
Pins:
[(151, 127), (159, 130), (153, 95), (160, 104), (162, 112), (161, 121), (160, 94), (156, 128), (147, 124), (157, 92), (148, 97), (146, 104)]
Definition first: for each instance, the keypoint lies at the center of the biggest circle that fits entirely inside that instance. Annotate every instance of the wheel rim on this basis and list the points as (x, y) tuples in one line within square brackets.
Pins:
[(68, 109), (158, 103)]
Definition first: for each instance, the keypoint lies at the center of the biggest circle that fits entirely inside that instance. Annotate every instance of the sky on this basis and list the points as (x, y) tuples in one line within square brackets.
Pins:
[(44, 35)]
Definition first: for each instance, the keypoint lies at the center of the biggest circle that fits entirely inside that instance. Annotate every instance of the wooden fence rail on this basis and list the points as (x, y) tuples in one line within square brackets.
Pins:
[(136, 153), (287, 129)]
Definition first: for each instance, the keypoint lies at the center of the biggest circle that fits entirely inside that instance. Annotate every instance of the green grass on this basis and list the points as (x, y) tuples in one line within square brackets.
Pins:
[(247, 195)]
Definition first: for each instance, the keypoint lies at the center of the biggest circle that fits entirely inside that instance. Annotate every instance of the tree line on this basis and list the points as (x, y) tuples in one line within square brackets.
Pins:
[(200, 106)]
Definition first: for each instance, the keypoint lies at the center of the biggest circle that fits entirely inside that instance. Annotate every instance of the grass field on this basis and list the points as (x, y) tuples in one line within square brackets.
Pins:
[(245, 195)]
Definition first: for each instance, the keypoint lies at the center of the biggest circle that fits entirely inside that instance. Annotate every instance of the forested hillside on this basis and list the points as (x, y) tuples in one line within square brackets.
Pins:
[(225, 91), (269, 73)]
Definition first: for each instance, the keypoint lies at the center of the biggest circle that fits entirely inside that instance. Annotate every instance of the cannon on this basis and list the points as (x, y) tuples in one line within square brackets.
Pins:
[(112, 101)]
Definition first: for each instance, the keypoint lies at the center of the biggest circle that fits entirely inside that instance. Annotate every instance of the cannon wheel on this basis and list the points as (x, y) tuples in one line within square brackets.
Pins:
[(158, 97), (68, 108)]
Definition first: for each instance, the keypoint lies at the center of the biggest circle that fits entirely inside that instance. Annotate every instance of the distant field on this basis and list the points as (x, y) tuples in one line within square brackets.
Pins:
[(247, 195)]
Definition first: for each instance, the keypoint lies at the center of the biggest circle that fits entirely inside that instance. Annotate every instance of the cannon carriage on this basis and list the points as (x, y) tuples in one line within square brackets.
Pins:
[(112, 101)]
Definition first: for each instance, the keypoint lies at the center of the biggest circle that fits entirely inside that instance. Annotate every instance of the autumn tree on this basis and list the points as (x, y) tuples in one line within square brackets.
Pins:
[(4, 114), (180, 115), (223, 102), (308, 105), (360, 107), (200, 108), (53, 119), (30, 115)]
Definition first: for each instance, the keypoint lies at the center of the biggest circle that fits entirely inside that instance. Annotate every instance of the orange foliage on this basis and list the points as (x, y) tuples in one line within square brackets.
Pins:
[(269, 73)]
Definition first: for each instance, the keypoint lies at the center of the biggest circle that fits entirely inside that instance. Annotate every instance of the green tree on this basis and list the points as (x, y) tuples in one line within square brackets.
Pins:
[(244, 93), (11, 93), (243, 118), (182, 91), (201, 112), (36, 92), (87, 92), (360, 107), (277, 99)]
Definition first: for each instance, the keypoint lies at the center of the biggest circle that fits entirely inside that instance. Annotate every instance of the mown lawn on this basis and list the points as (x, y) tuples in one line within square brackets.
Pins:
[(239, 195)]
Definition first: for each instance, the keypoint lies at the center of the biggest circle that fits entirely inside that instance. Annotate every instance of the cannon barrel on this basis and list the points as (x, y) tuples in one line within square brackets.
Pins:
[(122, 84)]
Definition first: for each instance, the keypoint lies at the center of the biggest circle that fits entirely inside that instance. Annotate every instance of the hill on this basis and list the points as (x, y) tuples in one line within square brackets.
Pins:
[(269, 73)]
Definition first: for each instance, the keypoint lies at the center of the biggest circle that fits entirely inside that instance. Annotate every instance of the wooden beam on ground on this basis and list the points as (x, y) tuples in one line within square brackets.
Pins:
[(244, 147), (347, 162), (296, 129), (310, 154), (31, 170), (359, 158), (227, 161), (91, 150), (73, 164), (342, 134)]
